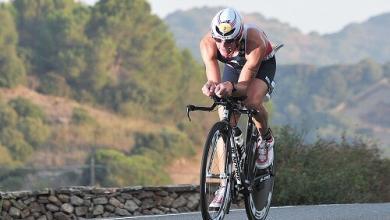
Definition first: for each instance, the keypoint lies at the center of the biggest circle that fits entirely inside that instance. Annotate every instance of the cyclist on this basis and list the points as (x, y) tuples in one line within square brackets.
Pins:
[(248, 71)]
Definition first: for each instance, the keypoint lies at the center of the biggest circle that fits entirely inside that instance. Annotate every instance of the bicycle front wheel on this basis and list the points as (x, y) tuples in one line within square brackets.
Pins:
[(216, 172)]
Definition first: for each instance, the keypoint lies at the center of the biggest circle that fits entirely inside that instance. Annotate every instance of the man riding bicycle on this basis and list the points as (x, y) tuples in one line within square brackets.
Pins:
[(249, 71)]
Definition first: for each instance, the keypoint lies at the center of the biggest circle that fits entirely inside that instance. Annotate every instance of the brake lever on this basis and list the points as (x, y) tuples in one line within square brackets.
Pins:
[(189, 109)]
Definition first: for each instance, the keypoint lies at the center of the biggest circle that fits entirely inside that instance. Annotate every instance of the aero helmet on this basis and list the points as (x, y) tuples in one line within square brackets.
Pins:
[(227, 25)]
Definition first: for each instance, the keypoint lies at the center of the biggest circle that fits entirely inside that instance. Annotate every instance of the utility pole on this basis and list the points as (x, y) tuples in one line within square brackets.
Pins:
[(92, 169)]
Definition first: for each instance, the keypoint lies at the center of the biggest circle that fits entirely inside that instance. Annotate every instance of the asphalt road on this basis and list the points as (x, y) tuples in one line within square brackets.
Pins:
[(380, 211)]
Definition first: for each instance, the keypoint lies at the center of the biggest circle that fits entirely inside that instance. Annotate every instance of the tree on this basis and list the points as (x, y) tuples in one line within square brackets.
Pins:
[(144, 64), (26, 108), (12, 71), (52, 37), (5, 157), (35, 132), (8, 116), (14, 141)]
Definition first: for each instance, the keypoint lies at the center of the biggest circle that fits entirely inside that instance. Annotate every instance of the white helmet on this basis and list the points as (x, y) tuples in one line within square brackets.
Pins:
[(227, 25)]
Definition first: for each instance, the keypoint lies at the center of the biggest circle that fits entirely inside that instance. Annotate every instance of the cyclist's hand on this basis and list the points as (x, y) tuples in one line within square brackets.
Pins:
[(209, 88), (224, 89)]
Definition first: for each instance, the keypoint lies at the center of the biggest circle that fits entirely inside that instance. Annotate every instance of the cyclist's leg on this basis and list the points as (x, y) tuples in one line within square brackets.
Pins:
[(258, 89), (230, 74), (257, 202), (256, 92), (220, 193)]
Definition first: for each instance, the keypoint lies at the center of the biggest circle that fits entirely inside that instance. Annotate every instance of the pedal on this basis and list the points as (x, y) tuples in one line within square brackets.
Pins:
[(247, 189)]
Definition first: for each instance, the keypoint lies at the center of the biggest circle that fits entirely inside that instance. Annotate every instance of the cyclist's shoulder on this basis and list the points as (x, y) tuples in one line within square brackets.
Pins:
[(208, 47), (254, 33)]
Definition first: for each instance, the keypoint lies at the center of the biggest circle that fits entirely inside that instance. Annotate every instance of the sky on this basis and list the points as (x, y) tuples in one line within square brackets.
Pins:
[(322, 16)]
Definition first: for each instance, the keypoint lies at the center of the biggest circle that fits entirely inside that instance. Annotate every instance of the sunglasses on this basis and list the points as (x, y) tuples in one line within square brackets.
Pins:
[(229, 41)]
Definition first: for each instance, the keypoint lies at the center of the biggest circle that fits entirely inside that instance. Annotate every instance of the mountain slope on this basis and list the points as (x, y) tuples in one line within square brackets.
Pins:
[(353, 43), (363, 40)]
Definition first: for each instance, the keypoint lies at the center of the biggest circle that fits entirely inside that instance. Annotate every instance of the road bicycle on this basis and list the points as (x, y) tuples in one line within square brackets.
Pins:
[(229, 165)]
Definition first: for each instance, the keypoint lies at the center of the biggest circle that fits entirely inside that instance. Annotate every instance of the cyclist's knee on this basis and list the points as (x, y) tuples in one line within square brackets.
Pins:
[(254, 104)]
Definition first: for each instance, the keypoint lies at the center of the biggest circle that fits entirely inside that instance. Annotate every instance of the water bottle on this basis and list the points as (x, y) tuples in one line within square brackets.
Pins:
[(238, 139)]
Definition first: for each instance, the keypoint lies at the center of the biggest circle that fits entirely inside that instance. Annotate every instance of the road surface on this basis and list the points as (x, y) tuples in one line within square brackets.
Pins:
[(375, 211)]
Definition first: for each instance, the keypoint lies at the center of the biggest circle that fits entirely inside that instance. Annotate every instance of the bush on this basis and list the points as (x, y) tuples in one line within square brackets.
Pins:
[(14, 141), (164, 145), (12, 72), (12, 69), (8, 116), (34, 130), (5, 157), (26, 108), (54, 84), (328, 172), (81, 116), (121, 170)]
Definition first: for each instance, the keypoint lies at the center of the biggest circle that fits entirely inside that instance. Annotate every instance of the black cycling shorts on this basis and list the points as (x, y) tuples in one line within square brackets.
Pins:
[(266, 73)]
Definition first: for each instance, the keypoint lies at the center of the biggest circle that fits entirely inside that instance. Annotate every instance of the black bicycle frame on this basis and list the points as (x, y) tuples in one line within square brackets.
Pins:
[(231, 106)]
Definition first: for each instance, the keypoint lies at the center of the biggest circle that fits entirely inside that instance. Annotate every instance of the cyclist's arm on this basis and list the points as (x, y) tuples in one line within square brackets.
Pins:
[(255, 51), (208, 50)]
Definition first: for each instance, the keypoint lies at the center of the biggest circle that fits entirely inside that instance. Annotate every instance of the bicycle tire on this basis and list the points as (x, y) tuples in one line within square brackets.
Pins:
[(207, 189), (258, 200)]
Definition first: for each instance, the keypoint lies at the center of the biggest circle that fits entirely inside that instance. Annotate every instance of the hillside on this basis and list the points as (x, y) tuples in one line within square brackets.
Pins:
[(353, 43), (63, 158), (75, 142), (86, 85), (368, 112), (335, 100), (87, 95)]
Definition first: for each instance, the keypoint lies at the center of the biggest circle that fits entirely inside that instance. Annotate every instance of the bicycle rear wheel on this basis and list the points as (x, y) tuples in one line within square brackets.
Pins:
[(216, 171), (258, 200)]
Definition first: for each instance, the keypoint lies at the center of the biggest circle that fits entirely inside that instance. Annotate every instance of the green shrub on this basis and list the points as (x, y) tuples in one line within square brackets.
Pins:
[(34, 130), (328, 172), (8, 116), (81, 116), (5, 157), (26, 108), (165, 145), (121, 170), (54, 84), (12, 69), (14, 141)]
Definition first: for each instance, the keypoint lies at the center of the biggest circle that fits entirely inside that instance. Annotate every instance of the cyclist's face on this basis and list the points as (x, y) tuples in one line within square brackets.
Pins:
[(226, 47)]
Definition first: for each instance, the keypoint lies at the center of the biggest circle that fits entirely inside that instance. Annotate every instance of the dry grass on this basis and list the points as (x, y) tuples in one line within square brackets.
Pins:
[(70, 143), (186, 170), (59, 109)]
